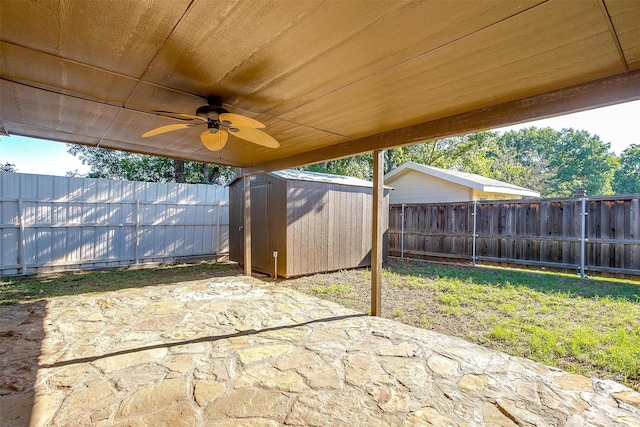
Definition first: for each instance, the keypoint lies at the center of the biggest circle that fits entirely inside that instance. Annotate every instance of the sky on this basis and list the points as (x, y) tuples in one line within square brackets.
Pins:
[(618, 125)]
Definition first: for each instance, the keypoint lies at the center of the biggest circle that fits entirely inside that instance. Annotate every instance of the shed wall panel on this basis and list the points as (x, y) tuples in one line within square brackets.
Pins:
[(339, 222)]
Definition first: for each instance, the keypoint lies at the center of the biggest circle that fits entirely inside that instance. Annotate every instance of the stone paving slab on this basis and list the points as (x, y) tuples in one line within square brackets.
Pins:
[(239, 352)]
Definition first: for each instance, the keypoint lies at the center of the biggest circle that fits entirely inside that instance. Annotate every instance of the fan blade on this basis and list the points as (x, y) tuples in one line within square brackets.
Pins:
[(238, 121), (165, 129), (256, 136), (179, 115), (214, 141)]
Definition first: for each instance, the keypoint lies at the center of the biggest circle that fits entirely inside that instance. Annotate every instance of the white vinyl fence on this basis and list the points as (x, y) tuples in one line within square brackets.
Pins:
[(50, 223)]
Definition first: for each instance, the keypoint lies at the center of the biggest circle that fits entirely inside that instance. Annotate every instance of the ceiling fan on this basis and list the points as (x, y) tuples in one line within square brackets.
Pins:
[(220, 123)]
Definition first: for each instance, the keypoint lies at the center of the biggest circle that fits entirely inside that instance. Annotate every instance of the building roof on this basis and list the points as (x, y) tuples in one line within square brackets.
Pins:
[(471, 180)]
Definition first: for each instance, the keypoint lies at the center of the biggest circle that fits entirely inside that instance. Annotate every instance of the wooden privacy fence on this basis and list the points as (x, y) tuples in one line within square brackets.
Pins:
[(597, 234), (50, 223)]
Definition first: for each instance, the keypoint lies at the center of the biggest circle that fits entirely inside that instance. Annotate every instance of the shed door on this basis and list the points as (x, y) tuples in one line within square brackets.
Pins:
[(261, 253)]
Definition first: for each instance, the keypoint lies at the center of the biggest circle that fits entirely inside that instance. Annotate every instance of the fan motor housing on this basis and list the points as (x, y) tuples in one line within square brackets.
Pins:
[(210, 111)]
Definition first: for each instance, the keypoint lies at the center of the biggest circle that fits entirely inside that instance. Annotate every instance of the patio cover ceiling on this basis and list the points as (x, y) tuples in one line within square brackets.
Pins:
[(329, 79)]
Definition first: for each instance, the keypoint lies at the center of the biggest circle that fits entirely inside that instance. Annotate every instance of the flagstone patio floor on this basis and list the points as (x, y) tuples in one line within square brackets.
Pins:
[(240, 352)]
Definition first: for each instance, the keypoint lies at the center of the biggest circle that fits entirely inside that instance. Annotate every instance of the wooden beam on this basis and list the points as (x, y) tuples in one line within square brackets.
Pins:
[(598, 93), (376, 233), (246, 227), (614, 34)]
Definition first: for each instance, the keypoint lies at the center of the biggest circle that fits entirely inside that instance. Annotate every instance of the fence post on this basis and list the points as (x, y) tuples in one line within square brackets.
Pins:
[(136, 231), (22, 239), (218, 209), (583, 239), (402, 234), (475, 216)]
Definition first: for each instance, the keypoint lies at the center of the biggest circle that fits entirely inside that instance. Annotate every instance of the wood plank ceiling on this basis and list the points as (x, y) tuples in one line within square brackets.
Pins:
[(328, 78)]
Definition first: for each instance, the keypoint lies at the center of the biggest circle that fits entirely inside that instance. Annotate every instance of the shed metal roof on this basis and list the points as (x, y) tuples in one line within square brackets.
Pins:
[(471, 180), (321, 177), (298, 175), (329, 79)]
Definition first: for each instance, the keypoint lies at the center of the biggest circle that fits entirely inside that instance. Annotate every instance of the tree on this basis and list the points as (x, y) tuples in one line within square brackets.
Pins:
[(531, 149), (443, 153), (626, 180), (112, 164), (494, 160), (581, 160), (360, 166), (552, 162), (8, 167)]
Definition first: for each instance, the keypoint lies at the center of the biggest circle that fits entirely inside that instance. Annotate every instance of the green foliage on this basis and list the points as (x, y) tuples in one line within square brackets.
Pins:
[(552, 162), (581, 159), (626, 180), (335, 289), (8, 167), (493, 158), (357, 166), (441, 153), (527, 153), (112, 164), (398, 311)]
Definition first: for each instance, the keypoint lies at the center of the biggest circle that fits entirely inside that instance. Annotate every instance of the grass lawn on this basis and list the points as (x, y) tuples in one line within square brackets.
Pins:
[(589, 326), (583, 326)]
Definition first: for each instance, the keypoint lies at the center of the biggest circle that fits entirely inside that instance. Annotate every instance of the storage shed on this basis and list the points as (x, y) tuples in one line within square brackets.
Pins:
[(313, 222)]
